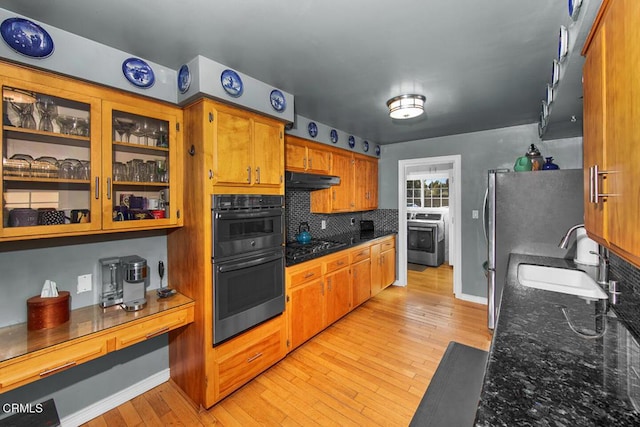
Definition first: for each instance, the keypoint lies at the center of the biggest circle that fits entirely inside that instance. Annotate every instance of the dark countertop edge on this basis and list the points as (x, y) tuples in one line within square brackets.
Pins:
[(351, 239), (536, 369)]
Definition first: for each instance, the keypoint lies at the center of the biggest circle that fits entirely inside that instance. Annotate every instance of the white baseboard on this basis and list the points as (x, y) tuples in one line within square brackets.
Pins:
[(117, 399), (472, 298)]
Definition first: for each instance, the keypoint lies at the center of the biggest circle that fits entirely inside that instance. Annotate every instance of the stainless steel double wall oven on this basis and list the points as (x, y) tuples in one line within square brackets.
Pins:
[(248, 261)]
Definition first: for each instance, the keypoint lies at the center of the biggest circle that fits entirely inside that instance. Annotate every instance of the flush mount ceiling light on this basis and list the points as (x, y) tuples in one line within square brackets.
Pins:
[(406, 106)]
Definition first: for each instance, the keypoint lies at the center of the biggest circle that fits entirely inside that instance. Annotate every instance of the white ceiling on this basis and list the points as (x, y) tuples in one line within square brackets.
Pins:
[(481, 64)]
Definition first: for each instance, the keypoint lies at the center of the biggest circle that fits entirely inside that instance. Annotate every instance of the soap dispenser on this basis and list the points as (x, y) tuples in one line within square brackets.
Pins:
[(536, 158)]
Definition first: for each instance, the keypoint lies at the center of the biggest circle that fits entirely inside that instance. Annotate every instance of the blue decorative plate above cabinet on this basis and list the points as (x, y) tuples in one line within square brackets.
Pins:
[(365, 146), (26, 37), (574, 8), (231, 83), (138, 72), (313, 129), (333, 135), (278, 101), (352, 141), (377, 150), (184, 78)]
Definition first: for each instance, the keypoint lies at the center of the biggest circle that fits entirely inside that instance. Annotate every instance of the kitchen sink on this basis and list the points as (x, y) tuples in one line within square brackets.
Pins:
[(563, 280)]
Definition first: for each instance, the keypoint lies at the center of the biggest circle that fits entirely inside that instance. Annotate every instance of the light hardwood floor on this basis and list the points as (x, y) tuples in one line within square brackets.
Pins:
[(371, 368)]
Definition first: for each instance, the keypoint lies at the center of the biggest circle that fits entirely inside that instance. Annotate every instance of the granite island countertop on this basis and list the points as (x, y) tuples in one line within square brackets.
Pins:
[(541, 373)]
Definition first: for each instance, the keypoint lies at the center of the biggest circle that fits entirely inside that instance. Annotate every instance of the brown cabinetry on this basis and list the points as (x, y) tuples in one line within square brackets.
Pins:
[(612, 129), (230, 151), (366, 183), (62, 144), (243, 149), (304, 156), (383, 264)]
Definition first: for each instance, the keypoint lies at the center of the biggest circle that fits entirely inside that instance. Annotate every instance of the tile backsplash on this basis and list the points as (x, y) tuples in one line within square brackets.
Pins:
[(628, 307), (297, 210)]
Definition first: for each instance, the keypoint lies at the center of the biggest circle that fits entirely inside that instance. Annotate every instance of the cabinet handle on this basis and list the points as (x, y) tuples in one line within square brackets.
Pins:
[(156, 333), (340, 262), (97, 187), (249, 174), (306, 276), (258, 175), (596, 184), (210, 174), (329, 284), (310, 165), (304, 162), (58, 368), (108, 188), (254, 357), (322, 287), (334, 195)]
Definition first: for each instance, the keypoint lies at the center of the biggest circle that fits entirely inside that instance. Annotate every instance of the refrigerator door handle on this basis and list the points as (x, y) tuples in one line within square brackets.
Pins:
[(491, 297), (485, 215)]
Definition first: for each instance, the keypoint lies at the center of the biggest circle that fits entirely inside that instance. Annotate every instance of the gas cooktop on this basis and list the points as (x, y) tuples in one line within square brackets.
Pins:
[(302, 251)]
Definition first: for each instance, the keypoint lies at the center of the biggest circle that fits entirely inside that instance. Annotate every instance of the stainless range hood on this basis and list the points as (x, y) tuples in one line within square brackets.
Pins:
[(308, 181)]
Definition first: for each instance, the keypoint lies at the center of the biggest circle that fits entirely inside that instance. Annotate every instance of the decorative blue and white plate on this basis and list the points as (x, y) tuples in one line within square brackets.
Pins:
[(555, 72), (563, 43), (377, 150), (365, 146), (352, 141), (313, 129), (574, 8), (231, 83), (138, 72), (278, 101), (26, 37), (333, 135), (184, 78)]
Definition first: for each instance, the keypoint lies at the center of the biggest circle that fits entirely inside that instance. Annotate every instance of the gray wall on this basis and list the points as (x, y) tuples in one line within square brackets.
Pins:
[(480, 151), (23, 268)]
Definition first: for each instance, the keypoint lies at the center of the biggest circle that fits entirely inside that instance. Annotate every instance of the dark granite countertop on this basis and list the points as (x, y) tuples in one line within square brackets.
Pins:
[(349, 239), (541, 373)]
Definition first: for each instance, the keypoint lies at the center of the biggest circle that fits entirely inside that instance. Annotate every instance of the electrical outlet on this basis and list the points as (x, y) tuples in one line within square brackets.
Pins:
[(84, 283), (323, 224), (353, 221), (474, 214)]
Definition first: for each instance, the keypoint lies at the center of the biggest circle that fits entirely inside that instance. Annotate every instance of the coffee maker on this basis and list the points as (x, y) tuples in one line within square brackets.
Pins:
[(124, 282)]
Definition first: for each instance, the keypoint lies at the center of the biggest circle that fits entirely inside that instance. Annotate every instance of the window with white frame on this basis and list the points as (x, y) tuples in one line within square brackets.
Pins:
[(428, 192)]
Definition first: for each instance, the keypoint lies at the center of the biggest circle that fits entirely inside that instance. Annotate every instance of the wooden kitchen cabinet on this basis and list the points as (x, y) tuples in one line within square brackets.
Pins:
[(307, 307), (338, 288), (59, 146), (360, 274), (383, 264), (306, 156), (245, 151), (612, 128), (366, 183)]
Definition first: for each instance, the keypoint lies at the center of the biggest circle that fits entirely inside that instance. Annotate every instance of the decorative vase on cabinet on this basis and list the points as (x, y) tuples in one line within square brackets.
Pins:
[(549, 165)]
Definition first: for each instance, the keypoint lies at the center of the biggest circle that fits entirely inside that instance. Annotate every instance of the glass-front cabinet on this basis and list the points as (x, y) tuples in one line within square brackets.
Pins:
[(76, 163), (140, 166), (50, 161)]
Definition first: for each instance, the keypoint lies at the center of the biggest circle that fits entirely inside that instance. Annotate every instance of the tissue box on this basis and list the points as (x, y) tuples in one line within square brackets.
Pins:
[(43, 313)]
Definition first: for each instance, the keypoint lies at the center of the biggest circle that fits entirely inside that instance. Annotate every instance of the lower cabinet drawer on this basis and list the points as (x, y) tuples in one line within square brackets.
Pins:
[(360, 254), (248, 362), (387, 245), (152, 328), (58, 359)]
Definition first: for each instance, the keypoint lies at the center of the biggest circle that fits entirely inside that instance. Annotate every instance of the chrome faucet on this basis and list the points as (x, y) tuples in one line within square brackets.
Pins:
[(603, 265), (565, 240)]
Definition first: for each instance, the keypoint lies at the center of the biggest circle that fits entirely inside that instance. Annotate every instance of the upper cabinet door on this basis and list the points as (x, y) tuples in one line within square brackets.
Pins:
[(268, 151), (232, 148), (141, 168), (50, 160)]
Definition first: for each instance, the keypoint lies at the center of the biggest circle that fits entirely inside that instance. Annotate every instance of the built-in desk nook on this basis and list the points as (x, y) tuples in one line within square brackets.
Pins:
[(91, 332)]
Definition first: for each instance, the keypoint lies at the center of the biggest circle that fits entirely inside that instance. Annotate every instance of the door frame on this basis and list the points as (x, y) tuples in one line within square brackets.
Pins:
[(455, 214)]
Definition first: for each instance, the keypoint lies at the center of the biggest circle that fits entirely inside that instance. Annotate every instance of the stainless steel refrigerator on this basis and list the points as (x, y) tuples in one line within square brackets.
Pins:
[(527, 213)]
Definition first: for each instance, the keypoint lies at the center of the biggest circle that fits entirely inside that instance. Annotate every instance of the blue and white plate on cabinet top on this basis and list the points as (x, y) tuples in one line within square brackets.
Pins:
[(365, 146), (313, 129), (278, 101), (184, 78), (26, 37), (333, 135), (574, 8), (352, 141), (138, 72), (377, 150), (231, 83)]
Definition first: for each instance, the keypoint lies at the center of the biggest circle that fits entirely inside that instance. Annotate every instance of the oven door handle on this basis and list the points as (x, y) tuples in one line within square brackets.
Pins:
[(420, 228), (246, 264), (243, 215)]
